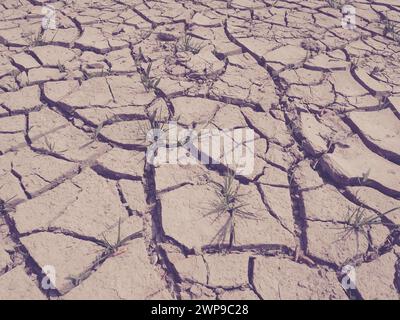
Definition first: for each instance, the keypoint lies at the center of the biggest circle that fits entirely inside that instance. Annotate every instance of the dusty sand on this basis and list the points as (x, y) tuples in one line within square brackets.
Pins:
[(324, 103)]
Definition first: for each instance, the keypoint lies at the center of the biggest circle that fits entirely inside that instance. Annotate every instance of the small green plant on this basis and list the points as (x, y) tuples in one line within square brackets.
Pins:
[(332, 142), (36, 39), (146, 33), (109, 120), (147, 80), (113, 248), (2, 207), (229, 203), (155, 124), (336, 4), (383, 102), (87, 75), (98, 130), (61, 67), (274, 4), (96, 133), (365, 177), (186, 44), (4, 204), (51, 146), (156, 121), (139, 58), (14, 73), (110, 250), (104, 72), (358, 222), (391, 28)]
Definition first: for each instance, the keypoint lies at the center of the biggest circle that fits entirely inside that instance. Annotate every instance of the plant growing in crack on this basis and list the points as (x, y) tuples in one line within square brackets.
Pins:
[(96, 132), (291, 177), (4, 204), (383, 103), (104, 72), (51, 146), (139, 58), (88, 75), (332, 142), (335, 4), (100, 126), (148, 81), (274, 4), (391, 28), (187, 44), (110, 250), (311, 46), (154, 133), (146, 33), (357, 222), (61, 67), (113, 249), (35, 39), (365, 177), (155, 123), (14, 85), (229, 203)]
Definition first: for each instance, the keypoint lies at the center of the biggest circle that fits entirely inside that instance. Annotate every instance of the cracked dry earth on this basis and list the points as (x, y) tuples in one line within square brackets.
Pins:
[(323, 101)]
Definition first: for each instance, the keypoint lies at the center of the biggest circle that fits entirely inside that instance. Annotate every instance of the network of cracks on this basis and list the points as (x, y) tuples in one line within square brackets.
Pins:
[(78, 196)]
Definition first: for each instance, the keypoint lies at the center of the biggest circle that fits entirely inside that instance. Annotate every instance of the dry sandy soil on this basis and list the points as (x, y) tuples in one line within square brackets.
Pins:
[(324, 102)]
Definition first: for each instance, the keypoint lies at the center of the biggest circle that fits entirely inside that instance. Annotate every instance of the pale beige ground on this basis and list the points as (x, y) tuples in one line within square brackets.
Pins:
[(324, 103)]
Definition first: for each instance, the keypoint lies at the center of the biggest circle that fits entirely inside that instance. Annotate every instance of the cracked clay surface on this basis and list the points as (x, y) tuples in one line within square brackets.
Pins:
[(323, 101)]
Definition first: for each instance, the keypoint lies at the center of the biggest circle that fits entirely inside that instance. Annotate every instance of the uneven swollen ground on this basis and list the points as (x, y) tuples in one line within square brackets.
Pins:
[(323, 100)]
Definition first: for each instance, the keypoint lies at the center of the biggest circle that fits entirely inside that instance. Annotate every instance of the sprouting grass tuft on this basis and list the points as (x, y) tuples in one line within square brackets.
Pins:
[(391, 29), (365, 177), (186, 44), (61, 67), (113, 248), (109, 120), (4, 204), (358, 222), (229, 203), (148, 81), (154, 122), (274, 4), (98, 130), (146, 33), (139, 58), (51, 146), (336, 4), (36, 40)]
